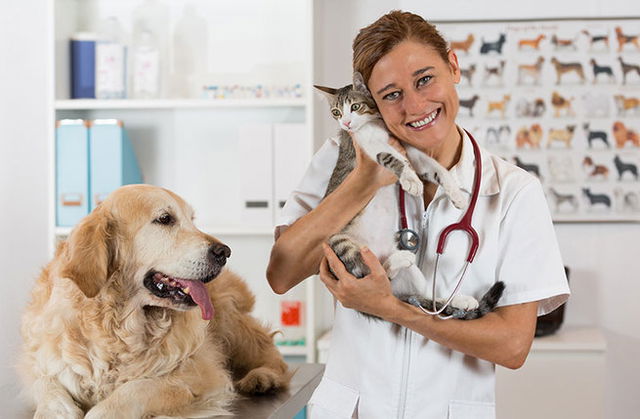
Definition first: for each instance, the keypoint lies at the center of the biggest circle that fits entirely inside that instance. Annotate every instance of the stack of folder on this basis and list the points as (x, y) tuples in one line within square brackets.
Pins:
[(275, 157), (93, 158)]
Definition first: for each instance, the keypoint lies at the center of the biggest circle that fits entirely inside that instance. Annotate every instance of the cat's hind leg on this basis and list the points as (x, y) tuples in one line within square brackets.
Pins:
[(348, 251)]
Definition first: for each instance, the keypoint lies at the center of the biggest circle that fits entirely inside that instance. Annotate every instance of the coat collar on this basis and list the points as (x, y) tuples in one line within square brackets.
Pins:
[(464, 170)]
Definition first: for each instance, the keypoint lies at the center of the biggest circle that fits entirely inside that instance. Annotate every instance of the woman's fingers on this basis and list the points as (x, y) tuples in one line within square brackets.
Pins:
[(336, 265), (375, 267)]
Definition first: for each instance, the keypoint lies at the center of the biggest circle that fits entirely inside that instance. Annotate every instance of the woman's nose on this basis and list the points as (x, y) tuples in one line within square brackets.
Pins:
[(413, 103)]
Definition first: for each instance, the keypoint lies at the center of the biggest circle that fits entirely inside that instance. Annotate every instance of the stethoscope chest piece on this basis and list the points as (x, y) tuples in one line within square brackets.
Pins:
[(408, 240)]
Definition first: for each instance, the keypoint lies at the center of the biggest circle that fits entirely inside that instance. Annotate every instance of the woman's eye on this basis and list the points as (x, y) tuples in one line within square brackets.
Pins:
[(391, 96), (355, 107), (423, 80), (336, 113), (165, 219)]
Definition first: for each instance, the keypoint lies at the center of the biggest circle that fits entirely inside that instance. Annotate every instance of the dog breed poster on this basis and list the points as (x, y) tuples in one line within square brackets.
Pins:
[(560, 99)]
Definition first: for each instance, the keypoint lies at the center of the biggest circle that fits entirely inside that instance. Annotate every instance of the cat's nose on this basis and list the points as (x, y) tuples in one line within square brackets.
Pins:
[(347, 124)]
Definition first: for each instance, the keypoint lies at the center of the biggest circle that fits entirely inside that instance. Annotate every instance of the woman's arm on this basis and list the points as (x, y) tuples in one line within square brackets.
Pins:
[(503, 337), (297, 253)]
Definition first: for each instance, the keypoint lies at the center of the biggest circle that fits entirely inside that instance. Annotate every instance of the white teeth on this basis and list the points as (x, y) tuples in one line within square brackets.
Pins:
[(425, 121), (185, 290)]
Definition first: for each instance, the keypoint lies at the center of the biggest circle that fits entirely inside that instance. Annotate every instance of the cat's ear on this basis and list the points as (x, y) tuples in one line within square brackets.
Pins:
[(359, 84), (328, 93)]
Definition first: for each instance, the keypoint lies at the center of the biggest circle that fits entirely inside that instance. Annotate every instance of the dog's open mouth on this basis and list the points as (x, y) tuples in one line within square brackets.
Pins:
[(181, 291)]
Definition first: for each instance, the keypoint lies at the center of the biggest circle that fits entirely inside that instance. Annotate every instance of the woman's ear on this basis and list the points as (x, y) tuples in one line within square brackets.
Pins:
[(90, 252), (453, 64)]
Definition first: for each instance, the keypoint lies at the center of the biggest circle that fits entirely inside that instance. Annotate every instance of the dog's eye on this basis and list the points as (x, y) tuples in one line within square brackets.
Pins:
[(165, 219)]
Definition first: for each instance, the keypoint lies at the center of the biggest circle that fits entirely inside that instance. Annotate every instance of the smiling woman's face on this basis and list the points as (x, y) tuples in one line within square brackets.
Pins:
[(414, 89)]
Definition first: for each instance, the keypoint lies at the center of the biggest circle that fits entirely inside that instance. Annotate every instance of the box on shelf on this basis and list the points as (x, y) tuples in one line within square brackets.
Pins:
[(72, 168), (93, 158), (112, 159), (83, 65)]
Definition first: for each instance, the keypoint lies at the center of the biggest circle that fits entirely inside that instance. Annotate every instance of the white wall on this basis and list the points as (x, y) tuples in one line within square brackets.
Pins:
[(604, 258), (24, 169)]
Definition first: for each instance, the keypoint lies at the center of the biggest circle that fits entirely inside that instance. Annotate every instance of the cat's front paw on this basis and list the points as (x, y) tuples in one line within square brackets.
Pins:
[(397, 261), (464, 302), (411, 183)]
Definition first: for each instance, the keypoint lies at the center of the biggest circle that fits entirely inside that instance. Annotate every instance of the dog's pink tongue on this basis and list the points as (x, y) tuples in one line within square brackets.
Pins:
[(199, 293)]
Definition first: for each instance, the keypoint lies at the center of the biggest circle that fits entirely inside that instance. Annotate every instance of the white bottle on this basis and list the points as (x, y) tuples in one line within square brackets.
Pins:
[(189, 53), (111, 61), (145, 66), (153, 16)]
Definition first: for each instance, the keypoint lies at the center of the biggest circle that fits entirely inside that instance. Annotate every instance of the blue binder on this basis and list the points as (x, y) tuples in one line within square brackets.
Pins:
[(83, 66), (112, 161), (72, 167)]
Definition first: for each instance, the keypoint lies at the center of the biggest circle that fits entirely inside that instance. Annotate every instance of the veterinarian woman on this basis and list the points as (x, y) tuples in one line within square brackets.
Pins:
[(413, 365)]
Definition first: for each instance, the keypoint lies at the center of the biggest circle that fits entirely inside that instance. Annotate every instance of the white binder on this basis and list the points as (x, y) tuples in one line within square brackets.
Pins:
[(255, 147)]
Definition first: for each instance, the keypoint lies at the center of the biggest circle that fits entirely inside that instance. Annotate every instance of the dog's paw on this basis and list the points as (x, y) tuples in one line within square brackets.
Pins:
[(411, 183), (261, 380), (464, 302), (397, 261)]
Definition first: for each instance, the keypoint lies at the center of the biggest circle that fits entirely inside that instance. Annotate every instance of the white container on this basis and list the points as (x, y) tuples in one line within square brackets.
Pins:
[(111, 61), (145, 67)]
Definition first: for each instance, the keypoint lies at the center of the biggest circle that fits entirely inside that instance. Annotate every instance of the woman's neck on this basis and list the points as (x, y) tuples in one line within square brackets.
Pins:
[(449, 153)]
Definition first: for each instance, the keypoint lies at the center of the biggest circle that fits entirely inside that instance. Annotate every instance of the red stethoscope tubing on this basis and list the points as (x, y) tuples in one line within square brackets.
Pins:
[(465, 222), (464, 225)]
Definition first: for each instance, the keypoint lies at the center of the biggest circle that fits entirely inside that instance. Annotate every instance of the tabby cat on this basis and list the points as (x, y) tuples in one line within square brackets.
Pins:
[(377, 224)]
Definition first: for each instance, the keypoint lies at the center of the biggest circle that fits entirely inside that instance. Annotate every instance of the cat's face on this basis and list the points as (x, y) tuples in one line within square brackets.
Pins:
[(350, 106)]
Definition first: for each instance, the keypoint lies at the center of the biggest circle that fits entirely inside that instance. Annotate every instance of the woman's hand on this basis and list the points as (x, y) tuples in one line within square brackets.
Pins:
[(371, 294), (372, 171)]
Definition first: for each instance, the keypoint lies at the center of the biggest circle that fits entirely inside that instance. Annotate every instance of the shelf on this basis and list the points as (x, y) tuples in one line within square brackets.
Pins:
[(292, 350), (216, 231), (97, 104), (571, 339)]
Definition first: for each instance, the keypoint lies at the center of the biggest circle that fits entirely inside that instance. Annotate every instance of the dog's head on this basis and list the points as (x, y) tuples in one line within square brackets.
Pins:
[(145, 237)]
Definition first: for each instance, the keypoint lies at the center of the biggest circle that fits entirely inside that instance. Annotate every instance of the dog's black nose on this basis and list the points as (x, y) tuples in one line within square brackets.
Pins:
[(218, 253)]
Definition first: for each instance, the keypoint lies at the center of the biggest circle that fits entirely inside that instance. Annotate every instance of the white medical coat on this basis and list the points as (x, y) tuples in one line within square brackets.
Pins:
[(378, 369)]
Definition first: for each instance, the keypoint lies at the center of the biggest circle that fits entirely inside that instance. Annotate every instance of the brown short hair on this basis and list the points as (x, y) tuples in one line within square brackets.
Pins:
[(376, 40)]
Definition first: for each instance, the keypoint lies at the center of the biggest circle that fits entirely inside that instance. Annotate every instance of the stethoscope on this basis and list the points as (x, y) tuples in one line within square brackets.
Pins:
[(408, 239)]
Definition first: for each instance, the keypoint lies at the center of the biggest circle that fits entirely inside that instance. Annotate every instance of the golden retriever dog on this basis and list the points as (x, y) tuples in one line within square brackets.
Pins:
[(113, 329)]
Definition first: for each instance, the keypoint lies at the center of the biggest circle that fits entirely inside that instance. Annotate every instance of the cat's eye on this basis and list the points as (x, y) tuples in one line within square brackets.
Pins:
[(423, 80), (336, 112), (355, 107)]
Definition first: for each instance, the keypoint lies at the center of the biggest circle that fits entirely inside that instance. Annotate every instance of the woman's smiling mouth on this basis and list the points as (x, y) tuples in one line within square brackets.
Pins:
[(425, 122)]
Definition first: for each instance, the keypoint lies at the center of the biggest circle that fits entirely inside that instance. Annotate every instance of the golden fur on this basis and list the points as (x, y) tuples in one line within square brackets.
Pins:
[(97, 341)]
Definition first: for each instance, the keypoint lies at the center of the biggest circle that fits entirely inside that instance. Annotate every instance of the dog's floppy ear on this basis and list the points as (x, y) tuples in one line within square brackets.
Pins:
[(90, 253)]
